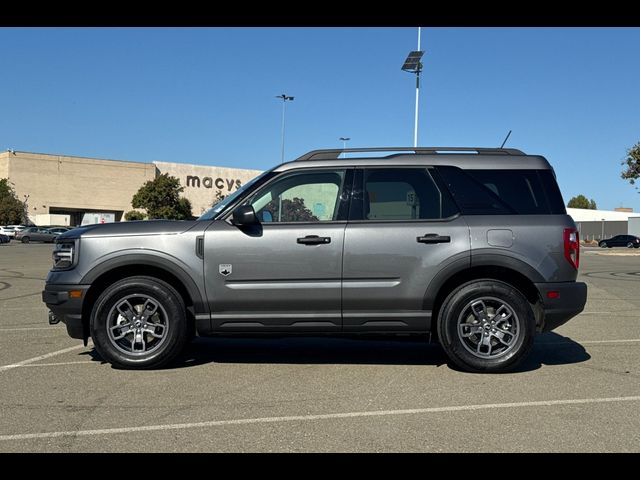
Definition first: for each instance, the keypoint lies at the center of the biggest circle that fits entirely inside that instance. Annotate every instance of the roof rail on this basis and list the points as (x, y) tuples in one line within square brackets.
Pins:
[(329, 154)]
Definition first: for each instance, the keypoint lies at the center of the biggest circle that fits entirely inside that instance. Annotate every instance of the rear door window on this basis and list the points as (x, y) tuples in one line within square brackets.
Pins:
[(400, 194)]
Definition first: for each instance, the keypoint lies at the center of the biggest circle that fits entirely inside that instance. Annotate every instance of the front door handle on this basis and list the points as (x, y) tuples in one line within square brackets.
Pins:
[(434, 238), (314, 240)]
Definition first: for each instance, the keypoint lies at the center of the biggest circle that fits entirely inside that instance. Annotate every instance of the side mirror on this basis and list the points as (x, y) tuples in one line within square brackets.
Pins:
[(245, 215)]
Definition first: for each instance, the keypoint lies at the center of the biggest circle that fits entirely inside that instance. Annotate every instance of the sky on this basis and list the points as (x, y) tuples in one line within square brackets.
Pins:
[(208, 95)]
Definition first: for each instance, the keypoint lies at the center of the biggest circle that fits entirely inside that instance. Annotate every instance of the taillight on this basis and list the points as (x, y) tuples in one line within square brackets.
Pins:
[(572, 246)]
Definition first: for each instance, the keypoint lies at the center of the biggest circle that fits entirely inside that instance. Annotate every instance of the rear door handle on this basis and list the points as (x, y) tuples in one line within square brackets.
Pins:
[(434, 238), (314, 240)]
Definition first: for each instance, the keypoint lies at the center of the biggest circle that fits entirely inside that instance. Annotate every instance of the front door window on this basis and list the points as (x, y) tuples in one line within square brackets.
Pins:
[(301, 197)]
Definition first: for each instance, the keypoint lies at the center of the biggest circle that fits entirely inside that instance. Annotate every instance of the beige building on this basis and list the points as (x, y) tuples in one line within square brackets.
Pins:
[(65, 190), (202, 182)]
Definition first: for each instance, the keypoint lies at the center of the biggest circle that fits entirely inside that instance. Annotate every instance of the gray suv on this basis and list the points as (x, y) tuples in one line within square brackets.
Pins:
[(470, 245)]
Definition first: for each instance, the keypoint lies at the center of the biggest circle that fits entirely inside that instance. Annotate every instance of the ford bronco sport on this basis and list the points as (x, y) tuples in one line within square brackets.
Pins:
[(472, 245)]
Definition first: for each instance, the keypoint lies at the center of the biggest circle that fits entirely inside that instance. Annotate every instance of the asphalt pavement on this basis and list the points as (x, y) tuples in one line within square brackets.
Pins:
[(578, 391)]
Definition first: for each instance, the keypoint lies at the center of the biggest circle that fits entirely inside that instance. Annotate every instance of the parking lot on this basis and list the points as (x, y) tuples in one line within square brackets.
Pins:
[(578, 391)]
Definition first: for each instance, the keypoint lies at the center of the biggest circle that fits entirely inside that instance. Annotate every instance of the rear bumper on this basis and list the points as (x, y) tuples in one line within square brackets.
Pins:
[(570, 301), (66, 309)]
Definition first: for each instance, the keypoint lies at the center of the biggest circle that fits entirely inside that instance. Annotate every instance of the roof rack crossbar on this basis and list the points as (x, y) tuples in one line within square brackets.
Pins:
[(329, 154)]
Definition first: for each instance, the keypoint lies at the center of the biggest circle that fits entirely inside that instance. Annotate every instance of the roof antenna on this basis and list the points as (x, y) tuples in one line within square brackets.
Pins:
[(505, 139)]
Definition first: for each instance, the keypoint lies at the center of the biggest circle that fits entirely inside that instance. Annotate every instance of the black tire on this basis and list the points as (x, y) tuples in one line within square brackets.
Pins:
[(603, 244), (493, 292), (629, 245), (25, 239), (169, 305)]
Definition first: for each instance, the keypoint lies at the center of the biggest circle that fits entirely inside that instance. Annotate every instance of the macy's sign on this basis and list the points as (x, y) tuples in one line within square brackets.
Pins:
[(209, 182)]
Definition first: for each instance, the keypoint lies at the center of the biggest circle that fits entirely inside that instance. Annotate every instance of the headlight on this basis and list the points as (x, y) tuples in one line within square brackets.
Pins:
[(64, 255)]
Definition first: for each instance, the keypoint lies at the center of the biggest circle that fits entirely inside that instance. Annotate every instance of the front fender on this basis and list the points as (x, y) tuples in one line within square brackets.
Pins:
[(152, 258)]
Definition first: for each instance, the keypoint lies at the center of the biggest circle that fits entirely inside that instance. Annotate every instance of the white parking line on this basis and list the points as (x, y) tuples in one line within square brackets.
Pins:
[(57, 364), (612, 312), (39, 307), (588, 342), (31, 328), (301, 418), (40, 357)]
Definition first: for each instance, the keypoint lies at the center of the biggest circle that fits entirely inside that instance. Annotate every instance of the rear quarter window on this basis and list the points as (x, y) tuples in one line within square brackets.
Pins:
[(504, 192)]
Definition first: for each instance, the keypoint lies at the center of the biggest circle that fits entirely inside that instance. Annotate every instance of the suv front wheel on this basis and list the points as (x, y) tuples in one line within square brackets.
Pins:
[(138, 323), (486, 326)]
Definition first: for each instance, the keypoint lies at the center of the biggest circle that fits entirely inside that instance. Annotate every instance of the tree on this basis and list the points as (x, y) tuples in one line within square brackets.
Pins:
[(582, 202), (218, 198), (12, 210), (161, 199), (292, 211), (132, 215), (632, 173), (184, 208)]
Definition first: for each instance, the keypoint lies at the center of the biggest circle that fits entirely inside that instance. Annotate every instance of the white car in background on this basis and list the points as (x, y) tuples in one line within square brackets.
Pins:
[(16, 228), (8, 231)]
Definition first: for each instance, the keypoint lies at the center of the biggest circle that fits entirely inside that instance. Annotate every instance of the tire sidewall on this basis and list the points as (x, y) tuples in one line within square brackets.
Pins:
[(453, 307), (161, 292)]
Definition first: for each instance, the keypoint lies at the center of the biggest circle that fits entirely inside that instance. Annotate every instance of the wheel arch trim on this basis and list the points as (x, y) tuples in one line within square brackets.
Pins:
[(477, 262), (155, 260)]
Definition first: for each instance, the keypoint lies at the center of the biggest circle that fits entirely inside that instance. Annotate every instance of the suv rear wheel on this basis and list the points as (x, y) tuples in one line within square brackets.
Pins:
[(138, 323), (486, 326)]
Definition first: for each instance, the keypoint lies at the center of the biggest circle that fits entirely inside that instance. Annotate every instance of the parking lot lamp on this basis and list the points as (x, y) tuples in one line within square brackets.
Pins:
[(284, 98), (344, 144)]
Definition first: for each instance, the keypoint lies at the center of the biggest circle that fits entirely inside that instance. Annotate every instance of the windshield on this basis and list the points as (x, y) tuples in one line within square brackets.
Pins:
[(214, 211)]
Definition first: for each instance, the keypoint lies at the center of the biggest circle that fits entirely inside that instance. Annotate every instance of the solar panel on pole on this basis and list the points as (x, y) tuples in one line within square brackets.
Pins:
[(412, 63)]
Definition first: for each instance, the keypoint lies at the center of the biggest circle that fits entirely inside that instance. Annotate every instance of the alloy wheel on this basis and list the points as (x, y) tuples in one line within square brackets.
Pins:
[(137, 325), (488, 327)]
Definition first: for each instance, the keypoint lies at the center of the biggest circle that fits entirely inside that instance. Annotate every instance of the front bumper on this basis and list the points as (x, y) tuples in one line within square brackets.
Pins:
[(66, 309), (570, 301)]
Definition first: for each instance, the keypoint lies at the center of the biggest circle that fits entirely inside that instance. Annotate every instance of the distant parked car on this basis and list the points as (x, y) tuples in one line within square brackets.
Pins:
[(16, 228), (4, 238), (9, 232), (629, 241), (36, 234)]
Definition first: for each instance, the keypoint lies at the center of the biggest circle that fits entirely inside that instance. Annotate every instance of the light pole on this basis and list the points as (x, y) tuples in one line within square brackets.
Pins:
[(284, 98), (344, 145), (25, 209), (413, 65)]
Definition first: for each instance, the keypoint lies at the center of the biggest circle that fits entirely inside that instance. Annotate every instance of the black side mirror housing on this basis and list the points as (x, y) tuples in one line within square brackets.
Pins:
[(245, 215)]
